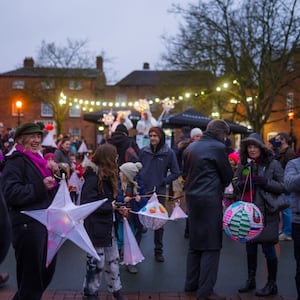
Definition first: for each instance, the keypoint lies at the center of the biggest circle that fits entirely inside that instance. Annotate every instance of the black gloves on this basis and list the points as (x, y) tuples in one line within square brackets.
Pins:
[(259, 180)]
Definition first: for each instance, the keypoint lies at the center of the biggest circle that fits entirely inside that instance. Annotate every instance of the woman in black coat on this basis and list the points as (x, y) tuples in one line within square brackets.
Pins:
[(258, 164), (101, 181), (28, 184)]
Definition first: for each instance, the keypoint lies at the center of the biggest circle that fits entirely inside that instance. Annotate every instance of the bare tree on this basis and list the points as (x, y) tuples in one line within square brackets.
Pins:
[(56, 65), (252, 42)]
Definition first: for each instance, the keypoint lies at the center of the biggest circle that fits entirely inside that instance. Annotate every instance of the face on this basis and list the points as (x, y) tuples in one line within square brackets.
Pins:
[(154, 138), (253, 151), (197, 137), (32, 142), (66, 145)]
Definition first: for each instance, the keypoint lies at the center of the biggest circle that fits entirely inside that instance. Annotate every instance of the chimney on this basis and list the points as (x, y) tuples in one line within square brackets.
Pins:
[(146, 66), (99, 63), (28, 62)]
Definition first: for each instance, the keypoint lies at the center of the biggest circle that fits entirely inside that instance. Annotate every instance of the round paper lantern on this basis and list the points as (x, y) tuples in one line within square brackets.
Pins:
[(154, 215), (243, 221)]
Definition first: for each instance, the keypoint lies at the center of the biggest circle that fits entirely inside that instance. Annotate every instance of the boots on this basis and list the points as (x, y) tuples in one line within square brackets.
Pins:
[(270, 288), (118, 295), (250, 283)]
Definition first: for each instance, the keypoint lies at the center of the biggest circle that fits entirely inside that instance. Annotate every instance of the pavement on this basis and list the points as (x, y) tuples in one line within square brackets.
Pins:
[(163, 281)]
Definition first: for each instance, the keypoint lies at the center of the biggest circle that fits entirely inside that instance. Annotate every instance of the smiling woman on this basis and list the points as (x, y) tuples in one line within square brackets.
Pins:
[(28, 184)]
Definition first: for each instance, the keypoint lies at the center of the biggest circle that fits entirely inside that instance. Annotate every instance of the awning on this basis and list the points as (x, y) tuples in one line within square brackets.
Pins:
[(193, 118)]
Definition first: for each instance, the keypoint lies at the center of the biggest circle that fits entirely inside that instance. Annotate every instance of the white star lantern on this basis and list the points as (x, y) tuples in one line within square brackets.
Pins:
[(64, 220)]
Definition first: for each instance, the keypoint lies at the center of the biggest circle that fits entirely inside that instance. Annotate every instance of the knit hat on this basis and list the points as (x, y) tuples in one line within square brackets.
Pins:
[(234, 156), (195, 131), (49, 155), (156, 130), (130, 170), (28, 128), (121, 128), (254, 139), (218, 128)]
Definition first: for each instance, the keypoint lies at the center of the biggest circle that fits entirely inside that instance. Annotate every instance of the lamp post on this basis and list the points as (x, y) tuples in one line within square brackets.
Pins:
[(291, 114), (19, 105)]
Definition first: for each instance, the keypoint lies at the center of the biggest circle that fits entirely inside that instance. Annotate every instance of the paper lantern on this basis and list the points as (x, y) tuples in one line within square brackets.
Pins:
[(132, 253), (242, 221), (178, 213), (153, 215)]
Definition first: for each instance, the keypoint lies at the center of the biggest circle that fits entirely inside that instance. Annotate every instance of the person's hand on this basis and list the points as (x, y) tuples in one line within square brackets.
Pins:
[(259, 180), (49, 182), (53, 166), (127, 199)]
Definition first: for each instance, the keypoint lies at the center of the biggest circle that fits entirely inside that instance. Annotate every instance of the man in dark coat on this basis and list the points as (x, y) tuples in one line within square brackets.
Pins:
[(207, 172), (121, 140), (160, 168)]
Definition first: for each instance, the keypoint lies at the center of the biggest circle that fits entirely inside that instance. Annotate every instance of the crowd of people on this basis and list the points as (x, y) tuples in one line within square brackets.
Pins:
[(203, 169)]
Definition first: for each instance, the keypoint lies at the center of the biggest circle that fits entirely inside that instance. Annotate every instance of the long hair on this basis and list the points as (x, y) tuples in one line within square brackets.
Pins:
[(105, 157)]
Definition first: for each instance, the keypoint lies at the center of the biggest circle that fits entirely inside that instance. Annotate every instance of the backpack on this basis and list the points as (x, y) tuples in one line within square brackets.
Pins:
[(131, 155)]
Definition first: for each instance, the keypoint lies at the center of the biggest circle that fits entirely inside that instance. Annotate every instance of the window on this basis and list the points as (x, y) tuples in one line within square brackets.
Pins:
[(74, 131), (75, 85), (46, 110), (121, 100), (47, 85), (18, 84), (74, 111), (290, 65)]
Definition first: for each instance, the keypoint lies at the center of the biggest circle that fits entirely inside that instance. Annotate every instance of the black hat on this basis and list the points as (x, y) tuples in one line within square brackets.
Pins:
[(28, 128), (121, 128)]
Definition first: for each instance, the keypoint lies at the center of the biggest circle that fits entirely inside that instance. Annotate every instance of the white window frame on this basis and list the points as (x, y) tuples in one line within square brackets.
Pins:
[(46, 110), (74, 112), (75, 85), (18, 85), (47, 85)]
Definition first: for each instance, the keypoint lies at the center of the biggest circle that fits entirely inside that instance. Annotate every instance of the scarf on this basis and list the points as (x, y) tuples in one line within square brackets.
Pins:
[(37, 160)]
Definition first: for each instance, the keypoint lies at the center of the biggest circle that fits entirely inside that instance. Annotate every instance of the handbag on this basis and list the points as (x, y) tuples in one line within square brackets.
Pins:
[(276, 203)]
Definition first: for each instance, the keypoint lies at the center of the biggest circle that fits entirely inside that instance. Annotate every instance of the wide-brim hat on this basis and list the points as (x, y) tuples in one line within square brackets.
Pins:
[(27, 128)]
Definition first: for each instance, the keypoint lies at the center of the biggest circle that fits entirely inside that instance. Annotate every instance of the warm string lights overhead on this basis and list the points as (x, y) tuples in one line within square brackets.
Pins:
[(87, 105)]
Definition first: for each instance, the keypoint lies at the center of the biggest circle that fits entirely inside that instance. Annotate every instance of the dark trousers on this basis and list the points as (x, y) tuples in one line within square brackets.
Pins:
[(296, 238), (30, 244), (202, 271), (158, 240)]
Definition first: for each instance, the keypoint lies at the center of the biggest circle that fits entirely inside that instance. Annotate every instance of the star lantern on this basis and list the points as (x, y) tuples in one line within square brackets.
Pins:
[(142, 105), (108, 120), (64, 220)]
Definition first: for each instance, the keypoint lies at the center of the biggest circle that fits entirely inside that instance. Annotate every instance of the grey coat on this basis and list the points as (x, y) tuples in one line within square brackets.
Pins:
[(292, 185)]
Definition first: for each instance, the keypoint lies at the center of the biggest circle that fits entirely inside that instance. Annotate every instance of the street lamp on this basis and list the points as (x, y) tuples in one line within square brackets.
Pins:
[(19, 105)]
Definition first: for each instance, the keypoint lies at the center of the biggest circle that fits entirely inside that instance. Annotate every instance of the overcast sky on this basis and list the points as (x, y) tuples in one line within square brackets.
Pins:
[(128, 31)]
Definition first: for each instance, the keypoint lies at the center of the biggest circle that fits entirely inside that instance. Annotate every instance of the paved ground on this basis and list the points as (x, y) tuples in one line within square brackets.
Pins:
[(162, 281)]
